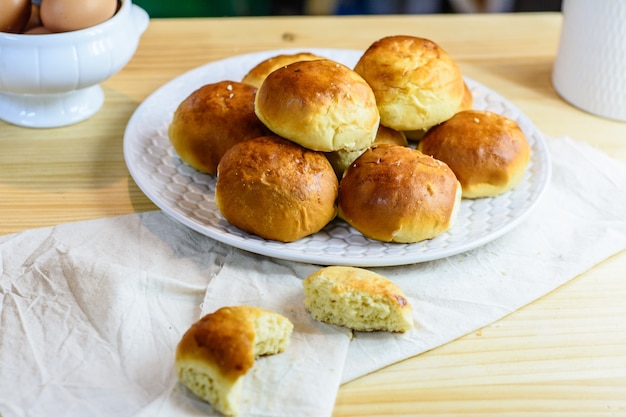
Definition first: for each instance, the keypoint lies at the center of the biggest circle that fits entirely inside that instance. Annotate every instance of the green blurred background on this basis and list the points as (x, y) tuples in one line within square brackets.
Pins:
[(216, 8)]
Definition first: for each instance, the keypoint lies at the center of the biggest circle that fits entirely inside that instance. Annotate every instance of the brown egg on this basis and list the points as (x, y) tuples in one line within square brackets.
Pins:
[(14, 15), (68, 15)]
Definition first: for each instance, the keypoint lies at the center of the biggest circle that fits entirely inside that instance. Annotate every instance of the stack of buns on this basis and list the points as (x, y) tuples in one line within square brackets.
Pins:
[(403, 90)]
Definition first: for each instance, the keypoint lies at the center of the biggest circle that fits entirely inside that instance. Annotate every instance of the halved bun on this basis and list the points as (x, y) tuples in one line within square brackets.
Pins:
[(217, 351), (357, 298)]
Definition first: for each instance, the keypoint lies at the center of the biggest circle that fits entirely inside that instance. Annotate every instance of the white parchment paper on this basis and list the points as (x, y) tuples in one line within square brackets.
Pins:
[(91, 312)]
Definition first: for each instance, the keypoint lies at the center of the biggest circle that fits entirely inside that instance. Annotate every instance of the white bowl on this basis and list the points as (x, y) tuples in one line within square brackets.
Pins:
[(52, 80)]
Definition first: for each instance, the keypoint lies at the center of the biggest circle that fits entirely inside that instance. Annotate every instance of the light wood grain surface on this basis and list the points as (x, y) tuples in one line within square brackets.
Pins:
[(565, 354)]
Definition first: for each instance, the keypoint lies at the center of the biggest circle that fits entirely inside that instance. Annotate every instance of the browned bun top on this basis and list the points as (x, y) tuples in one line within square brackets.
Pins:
[(322, 105), (257, 74), (276, 189), (416, 83), (488, 152), (224, 339), (397, 194), (211, 120)]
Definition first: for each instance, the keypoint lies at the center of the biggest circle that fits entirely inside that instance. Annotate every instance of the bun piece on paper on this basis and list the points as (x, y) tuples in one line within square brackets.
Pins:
[(358, 299), (416, 83), (276, 189), (321, 105), (217, 351), (396, 193), (488, 152), (212, 119)]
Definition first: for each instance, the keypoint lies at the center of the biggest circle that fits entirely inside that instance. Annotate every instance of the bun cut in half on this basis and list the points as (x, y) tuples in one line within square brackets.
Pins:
[(488, 152), (276, 189), (358, 299), (321, 105), (395, 193), (217, 351)]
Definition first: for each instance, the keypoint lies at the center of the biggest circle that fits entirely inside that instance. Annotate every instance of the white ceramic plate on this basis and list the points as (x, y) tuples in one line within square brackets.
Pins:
[(188, 195)]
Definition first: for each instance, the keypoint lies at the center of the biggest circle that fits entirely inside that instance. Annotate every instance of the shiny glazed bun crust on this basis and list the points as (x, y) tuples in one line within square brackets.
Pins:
[(257, 75), (322, 105), (211, 120), (276, 189), (416, 83), (395, 193), (488, 152)]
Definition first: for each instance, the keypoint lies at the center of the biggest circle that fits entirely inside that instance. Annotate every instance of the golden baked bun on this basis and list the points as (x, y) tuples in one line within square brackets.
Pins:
[(322, 105), (341, 159), (416, 83), (257, 74), (276, 189), (211, 120), (218, 350), (356, 298), (488, 152), (395, 193)]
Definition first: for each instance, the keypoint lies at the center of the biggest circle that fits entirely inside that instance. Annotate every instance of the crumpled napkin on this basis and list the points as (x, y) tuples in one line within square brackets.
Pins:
[(91, 312)]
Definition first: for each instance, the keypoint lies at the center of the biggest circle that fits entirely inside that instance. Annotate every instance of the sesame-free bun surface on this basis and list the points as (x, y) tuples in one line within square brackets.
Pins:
[(322, 105), (276, 189), (395, 193), (488, 152), (357, 298), (218, 350), (211, 120), (416, 83), (258, 73)]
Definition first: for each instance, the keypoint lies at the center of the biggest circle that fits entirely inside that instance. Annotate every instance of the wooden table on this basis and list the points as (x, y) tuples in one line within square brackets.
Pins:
[(564, 354)]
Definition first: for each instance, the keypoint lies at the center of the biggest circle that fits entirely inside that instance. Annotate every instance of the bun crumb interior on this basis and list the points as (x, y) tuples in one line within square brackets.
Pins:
[(358, 299)]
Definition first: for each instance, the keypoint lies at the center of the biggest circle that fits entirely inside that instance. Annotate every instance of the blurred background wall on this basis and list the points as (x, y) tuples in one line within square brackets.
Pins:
[(208, 8)]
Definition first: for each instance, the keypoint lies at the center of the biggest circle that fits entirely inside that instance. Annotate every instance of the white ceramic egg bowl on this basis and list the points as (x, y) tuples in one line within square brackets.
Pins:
[(52, 80)]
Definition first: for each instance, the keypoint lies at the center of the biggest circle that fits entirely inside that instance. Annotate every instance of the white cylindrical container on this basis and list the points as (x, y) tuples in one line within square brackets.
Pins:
[(590, 67)]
